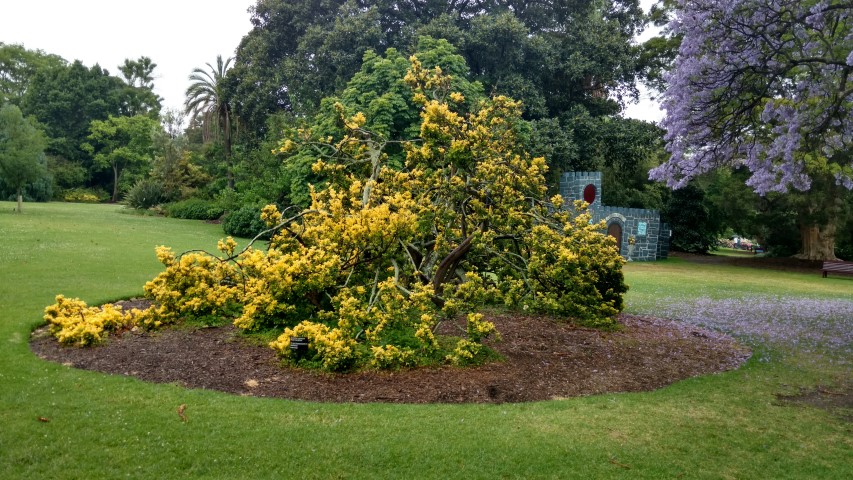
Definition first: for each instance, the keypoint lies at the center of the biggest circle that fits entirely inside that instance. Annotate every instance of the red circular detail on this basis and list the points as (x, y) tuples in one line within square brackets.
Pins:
[(589, 193)]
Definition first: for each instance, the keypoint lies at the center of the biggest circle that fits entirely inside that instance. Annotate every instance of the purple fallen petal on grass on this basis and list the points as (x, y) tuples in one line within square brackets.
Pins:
[(804, 325)]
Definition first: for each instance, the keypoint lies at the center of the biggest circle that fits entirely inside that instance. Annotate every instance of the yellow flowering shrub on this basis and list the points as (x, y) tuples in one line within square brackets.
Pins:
[(195, 284), (72, 322), (391, 356), (386, 252), (332, 347), (465, 352)]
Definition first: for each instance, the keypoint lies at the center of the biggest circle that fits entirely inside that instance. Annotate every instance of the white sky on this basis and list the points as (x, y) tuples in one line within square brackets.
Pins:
[(178, 35), (647, 108)]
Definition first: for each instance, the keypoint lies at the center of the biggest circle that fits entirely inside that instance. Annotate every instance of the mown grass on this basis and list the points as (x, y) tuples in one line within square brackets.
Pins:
[(102, 426)]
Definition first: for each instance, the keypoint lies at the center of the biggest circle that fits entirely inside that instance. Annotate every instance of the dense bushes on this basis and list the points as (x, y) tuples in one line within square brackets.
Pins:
[(72, 322), (145, 194), (244, 222), (194, 209), (383, 256), (85, 195)]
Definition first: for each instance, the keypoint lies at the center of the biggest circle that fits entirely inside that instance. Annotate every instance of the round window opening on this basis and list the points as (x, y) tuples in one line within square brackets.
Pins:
[(589, 193)]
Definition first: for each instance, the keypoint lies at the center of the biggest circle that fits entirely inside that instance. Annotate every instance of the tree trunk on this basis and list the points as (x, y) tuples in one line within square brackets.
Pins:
[(115, 184), (818, 242), (818, 220), (20, 201), (227, 140)]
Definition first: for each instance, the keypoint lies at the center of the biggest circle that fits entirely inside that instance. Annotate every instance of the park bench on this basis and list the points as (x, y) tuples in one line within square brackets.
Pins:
[(837, 266)]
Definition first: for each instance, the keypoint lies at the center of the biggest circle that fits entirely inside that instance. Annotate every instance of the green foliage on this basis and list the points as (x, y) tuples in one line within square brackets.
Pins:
[(380, 93), (21, 151), (17, 68), (694, 228), (120, 144), (244, 222), (67, 98), (176, 165), (145, 193), (624, 149), (194, 209), (139, 76), (301, 52), (384, 254), (39, 191), (66, 174), (209, 102)]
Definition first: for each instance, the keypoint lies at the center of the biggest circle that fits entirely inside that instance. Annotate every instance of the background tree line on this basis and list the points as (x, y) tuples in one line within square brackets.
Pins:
[(573, 64)]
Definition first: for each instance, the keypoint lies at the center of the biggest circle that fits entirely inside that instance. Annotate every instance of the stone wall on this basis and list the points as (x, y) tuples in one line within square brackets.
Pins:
[(651, 237)]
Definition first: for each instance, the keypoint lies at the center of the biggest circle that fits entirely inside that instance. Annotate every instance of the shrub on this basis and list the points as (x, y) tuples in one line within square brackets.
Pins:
[(73, 322), (194, 209), (383, 256), (193, 285), (244, 222), (85, 195), (145, 193)]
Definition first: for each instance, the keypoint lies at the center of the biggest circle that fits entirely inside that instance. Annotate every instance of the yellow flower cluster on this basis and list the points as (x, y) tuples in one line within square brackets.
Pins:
[(390, 356), (465, 352), (72, 322), (278, 282), (478, 328), (195, 284), (330, 345), (270, 215)]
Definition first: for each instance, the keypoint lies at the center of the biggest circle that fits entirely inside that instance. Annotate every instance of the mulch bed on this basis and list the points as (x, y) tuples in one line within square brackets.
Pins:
[(543, 360)]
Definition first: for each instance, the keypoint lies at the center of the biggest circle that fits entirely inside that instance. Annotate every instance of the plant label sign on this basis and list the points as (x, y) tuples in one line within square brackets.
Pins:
[(299, 345)]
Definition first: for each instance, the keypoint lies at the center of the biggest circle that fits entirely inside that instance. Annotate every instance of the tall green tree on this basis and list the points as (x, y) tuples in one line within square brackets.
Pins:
[(122, 143), (140, 96), (66, 100), (209, 101), (17, 68), (550, 55), (21, 151), (379, 91)]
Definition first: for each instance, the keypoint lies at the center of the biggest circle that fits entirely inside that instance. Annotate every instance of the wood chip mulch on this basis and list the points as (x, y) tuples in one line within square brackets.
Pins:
[(543, 360)]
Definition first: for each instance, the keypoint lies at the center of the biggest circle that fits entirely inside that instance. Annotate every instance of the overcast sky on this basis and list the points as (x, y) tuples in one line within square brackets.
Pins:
[(178, 35)]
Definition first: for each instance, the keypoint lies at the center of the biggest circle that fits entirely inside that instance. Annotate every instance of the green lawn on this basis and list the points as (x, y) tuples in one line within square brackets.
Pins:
[(100, 426)]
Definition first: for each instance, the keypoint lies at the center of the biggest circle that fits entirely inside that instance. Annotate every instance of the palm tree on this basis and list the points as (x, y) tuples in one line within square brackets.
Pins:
[(208, 101)]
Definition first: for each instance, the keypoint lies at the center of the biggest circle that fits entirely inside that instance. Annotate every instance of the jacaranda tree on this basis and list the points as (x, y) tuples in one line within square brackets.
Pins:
[(766, 84)]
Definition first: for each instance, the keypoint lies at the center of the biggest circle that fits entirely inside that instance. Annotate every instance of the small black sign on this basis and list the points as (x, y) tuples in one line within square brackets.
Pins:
[(299, 345)]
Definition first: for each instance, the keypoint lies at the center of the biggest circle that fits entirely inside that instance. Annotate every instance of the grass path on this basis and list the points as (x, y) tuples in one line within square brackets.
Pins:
[(99, 426)]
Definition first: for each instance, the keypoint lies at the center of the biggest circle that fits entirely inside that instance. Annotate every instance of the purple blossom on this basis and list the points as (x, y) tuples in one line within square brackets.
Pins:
[(760, 83), (786, 324)]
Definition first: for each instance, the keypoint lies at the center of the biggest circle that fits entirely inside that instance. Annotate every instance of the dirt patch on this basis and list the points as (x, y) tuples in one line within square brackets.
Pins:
[(542, 360), (837, 400)]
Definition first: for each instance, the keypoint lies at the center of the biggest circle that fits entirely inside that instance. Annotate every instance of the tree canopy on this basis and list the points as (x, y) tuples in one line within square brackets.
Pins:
[(21, 150), (767, 85), (119, 143), (763, 84), (209, 102), (549, 55), (17, 68)]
